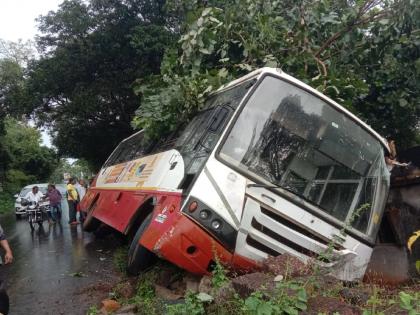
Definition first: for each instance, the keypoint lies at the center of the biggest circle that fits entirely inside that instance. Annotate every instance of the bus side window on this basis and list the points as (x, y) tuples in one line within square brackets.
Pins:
[(215, 128)]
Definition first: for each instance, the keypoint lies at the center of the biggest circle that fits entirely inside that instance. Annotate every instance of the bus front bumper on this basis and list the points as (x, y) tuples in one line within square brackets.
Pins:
[(188, 246)]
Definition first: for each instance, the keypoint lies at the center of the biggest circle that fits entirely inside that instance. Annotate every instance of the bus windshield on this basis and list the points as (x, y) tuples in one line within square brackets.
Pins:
[(290, 138)]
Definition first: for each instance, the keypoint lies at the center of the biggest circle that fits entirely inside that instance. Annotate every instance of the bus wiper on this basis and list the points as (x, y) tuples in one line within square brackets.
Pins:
[(263, 185)]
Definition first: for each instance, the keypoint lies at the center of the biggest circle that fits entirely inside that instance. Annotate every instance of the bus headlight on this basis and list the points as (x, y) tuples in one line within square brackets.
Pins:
[(205, 214), (216, 224), (212, 222)]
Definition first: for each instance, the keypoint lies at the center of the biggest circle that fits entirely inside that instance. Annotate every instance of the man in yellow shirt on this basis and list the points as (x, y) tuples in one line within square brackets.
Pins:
[(72, 201)]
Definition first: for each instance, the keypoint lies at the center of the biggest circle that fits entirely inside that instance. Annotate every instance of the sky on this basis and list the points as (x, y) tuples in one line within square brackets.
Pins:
[(17, 21), (17, 17)]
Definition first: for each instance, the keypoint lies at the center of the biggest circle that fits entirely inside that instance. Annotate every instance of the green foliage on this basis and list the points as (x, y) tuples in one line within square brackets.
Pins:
[(220, 277), (256, 304), (28, 160), (6, 202), (91, 53), (192, 306), (374, 303), (289, 298), (79, 169), (120, 258), (93, 310), (410, 302), (360, 53)]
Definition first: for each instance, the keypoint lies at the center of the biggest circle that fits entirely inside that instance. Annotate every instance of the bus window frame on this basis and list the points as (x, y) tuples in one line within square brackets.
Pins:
[(283, 193)]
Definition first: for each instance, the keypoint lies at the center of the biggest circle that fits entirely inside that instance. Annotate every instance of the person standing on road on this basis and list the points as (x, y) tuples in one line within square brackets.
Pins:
[(55, 202), (81, 192), (72, 201), (8, 259)]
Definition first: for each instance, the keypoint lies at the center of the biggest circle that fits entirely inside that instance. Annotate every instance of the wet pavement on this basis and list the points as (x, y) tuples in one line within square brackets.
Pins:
[(57, 269)]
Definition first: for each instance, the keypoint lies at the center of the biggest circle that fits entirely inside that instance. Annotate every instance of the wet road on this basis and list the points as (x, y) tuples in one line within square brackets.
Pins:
[(44, 277)]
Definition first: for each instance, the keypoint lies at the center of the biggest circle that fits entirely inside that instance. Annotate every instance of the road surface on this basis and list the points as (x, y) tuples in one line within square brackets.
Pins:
[(58, 269)]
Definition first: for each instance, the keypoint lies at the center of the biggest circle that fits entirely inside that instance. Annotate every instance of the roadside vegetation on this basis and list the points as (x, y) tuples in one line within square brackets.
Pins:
[(283, 286), (105, 66)]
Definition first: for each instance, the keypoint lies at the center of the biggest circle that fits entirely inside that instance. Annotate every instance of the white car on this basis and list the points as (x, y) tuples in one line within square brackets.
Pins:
[(19, 209)]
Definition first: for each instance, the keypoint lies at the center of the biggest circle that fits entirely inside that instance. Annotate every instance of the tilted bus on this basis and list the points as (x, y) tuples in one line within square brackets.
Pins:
[(269, 166)]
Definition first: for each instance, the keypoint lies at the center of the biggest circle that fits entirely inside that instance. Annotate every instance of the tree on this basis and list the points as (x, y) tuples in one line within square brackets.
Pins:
[(78, 169), (360, 53), (91, 53), (28, 161)]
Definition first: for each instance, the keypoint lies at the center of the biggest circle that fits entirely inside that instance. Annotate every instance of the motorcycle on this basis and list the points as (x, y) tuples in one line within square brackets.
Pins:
[(36, 212)]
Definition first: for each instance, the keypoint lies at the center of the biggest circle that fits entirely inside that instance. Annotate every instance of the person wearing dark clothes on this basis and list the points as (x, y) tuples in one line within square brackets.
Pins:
[(55, 202)]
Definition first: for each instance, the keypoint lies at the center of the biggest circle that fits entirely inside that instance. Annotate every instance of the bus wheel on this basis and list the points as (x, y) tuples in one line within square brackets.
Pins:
[(91, 224), (139, 257)]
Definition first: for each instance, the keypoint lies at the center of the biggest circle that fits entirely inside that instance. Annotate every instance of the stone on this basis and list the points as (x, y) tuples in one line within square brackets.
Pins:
[(329, 305), (247, 284), (223, 294), (286, 265), (131, 308), (125, 290), (278, 278), (166, 294), (205, 285), (192, 283), (110, 305), (355, 296)]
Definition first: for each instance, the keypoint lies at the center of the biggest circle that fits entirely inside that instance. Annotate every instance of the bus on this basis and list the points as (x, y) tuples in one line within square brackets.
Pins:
[(269, 166)]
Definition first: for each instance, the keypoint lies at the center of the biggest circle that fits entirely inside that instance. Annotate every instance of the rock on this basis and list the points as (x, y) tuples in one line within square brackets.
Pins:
[(166, 294), (164, 277), (125, 290), (225, 293), (205, 285), (286, 265), (246, 284), (355, 296), (192, 283), (131, 308), (278, 278), (178, 287), (329, 305), (109, 306)]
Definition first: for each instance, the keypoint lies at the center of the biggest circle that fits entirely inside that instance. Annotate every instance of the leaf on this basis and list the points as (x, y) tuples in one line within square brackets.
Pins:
[(204, 297), (412, 239), (384, 21), (206, 11), (204, 51), (405, 300), (402, 102), (418, 266), (223, 73)]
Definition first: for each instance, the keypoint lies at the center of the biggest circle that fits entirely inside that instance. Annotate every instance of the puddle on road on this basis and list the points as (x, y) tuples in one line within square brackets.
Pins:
[(43, 277)]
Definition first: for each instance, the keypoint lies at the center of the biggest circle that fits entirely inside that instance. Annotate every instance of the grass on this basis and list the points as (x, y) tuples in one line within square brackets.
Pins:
[(120, 258), (7, 203)]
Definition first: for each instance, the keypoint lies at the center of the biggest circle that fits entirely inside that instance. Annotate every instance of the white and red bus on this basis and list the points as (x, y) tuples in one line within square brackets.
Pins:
[(269, 166)]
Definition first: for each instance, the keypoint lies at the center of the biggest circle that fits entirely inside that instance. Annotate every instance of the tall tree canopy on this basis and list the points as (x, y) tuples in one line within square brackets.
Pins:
[(28, 160), (363, 53), (91, 54)]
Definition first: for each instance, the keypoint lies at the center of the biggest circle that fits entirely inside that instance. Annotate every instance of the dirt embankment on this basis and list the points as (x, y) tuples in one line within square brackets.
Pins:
[(284, 285)]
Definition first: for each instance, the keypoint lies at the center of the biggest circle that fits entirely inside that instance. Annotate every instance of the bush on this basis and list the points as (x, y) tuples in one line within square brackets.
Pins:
[(6, 202)]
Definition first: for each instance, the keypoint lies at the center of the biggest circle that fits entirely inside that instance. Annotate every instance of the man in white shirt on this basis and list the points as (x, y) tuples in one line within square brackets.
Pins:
[(34, 195)]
